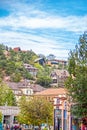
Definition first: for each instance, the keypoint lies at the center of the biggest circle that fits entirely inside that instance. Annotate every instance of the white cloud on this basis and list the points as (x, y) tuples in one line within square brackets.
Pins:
[(27, 42), (25, 18), (70, 23)]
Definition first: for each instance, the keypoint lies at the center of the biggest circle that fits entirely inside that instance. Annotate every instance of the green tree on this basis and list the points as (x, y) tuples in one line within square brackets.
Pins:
[(36, 111), (10, 67), (7, 96), (44, 81), (22, 117), (77, 82), (0, 117), (12, 64), (43, 77), (16, 77)]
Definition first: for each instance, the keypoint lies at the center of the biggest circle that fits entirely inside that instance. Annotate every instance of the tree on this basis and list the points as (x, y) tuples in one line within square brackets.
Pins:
[(36, 111), (44, 81), (16, 77), (43, 77), (77, 81), (7, 97), (0, 117)]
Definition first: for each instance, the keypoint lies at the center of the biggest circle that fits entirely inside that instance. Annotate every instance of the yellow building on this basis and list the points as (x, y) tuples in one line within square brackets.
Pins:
[(62, 118)]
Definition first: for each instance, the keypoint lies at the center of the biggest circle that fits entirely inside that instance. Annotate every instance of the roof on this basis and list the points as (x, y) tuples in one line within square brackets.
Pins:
[(25, 84), (29, 67), (52, 91), (37, 88), (54, 62), (38, 59), (16, 49), (62, 72), (12, 85)]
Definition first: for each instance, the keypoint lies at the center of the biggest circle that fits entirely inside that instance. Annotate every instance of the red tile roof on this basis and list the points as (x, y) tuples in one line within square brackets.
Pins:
[(52, 91), (16, 49)]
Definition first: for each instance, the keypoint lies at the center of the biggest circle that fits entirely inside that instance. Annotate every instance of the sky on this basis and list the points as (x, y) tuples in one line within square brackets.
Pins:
[(43, 26)]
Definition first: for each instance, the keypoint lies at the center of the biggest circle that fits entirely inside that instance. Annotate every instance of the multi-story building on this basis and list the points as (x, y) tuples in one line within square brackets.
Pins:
[(58, 97), (24, 88), (63, 120)]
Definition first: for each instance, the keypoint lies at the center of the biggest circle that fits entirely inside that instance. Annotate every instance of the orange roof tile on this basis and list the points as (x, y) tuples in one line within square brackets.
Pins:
[(52, 91)]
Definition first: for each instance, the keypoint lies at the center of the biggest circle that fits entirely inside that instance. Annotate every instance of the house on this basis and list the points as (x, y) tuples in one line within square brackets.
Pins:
[(52, 63), (32, 70), (19, 89), (37, 88), (58, 77), (41, 61), (57, 63), (17, 49), (17, 92), (24, 88)]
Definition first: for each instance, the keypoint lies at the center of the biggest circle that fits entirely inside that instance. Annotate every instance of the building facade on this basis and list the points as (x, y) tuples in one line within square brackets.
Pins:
[(62, 118), (9, 114)]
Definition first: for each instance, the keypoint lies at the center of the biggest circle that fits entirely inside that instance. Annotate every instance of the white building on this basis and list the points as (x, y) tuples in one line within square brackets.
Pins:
[(9, 114)]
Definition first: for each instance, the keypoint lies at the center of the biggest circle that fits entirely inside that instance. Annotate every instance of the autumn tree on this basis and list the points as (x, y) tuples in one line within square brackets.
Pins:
[(36, 111), (77, 82)]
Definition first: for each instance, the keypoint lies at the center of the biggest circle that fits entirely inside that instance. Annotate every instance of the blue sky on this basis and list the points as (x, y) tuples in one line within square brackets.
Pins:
[(45, 26)]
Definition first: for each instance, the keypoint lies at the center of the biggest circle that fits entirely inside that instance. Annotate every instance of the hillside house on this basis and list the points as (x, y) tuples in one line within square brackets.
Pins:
[(17, 49), (41, 61), (59, 77), (57, 63), (32, 70), (24, 88)]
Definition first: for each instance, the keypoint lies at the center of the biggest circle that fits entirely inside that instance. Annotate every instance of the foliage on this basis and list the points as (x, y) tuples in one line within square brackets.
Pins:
[(27, 74), (36, 111), (38, 66), (0, 116), (11, 63), (44, 81), (22, 118), (6, 95), (28, 57), (16, 77), (77, 82), (43, 77)]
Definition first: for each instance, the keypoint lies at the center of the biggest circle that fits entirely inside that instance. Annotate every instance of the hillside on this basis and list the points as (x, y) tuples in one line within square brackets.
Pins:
[(16, 65), (11, 63)]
